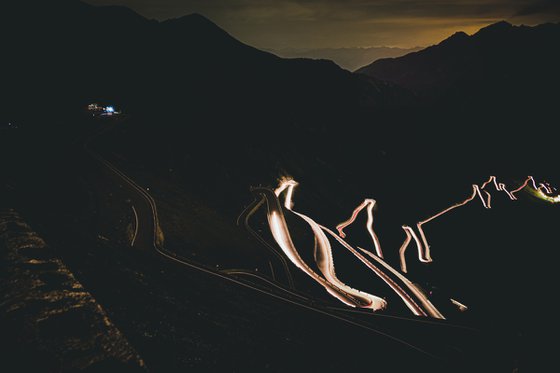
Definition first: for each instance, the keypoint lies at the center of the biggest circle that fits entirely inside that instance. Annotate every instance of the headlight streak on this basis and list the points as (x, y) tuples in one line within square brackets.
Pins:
[(551, 199), (543, 191), (422, 246), (428, 306), (539, 188), (327, 264), (410, 303), (421, 254), (486, 203), (324, 258), (403, 247), (323, 249), (459, 305), (369, 203), (282, 237), (424, 253)]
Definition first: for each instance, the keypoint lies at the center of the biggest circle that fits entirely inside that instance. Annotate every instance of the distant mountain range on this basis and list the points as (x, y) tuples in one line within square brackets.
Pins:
[(66, 51), (347, 58), (499, 63), (66, 54)]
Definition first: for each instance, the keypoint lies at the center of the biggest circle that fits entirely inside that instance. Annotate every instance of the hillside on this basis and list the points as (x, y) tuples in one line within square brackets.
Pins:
[(347, 58), (49, 321), (501, 63), (74, 53)]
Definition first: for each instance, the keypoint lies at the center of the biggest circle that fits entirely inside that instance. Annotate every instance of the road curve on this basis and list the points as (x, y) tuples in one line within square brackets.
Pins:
[(148, 223)]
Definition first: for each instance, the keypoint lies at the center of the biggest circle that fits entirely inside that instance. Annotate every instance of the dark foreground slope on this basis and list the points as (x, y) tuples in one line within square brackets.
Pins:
[(49, 321), (179, 318)]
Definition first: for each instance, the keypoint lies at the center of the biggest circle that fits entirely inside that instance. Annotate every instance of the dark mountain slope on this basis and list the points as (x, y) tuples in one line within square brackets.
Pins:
[(499, 64), (67, 51)]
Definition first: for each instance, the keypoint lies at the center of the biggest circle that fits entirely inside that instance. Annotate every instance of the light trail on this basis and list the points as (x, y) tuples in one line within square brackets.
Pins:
[(510, 194), (282, 237), (281, 234), (135, 226), (412, 296), (324, 258), (247, 214), (423, 256), (492, 179), (428, 306), (459, 305), (410, 303), (541, 191), (157, 245), (369, 203), (525, 183), (424, 247), (546, 197), (539, 188), (325, 261), (403, 247)]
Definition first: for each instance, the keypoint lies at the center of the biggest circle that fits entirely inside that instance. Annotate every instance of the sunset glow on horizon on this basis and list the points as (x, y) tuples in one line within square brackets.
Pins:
[(349, 24)]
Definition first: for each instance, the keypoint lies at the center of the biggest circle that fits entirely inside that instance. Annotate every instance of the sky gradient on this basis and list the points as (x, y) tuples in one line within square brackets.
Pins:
[(280, 24)]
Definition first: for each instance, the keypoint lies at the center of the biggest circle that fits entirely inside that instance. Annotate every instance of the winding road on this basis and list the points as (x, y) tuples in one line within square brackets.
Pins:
[(146, 238)]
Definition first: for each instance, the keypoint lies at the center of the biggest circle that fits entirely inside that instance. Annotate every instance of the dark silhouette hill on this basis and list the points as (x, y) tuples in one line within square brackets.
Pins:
[(351, 58), (64, 51), (501, 63)]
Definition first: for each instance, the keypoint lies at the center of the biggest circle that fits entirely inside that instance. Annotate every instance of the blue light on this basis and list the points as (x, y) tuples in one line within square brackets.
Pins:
[(110, 109)]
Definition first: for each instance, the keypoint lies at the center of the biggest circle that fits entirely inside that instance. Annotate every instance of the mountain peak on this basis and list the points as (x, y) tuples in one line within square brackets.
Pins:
[(456, 37), (195, 22), (459, 34), (495, 27), (499, 55), (194, 19), (198, 17)]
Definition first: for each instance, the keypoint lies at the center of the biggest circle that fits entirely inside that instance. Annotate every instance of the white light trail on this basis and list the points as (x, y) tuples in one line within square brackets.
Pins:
[(423, 255), (370, 204), (420, 305), (282, 237), (424, 247), (410, 303), (326, 263), (324, 256), (459, 305), (541, 190)]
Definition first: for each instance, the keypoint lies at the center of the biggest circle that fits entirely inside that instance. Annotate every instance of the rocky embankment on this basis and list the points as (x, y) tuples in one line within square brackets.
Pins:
[(48, 321)]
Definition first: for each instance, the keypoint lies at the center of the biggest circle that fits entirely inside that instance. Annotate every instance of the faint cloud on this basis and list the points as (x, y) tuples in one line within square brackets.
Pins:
[(348, 23), (548, 7), (266, 10)]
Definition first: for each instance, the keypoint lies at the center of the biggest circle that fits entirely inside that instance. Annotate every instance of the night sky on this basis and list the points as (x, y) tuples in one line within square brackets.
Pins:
[(349, 23)]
